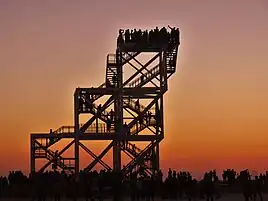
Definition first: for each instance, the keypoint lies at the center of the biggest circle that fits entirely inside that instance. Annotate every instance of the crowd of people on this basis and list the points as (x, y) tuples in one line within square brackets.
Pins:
[(104, 184), (153, 38)]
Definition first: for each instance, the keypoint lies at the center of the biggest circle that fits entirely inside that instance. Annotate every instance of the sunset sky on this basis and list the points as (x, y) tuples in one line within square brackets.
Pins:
[(216, 109)]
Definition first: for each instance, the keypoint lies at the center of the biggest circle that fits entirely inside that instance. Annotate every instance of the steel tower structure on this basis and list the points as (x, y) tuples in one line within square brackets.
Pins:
[(122, 118)]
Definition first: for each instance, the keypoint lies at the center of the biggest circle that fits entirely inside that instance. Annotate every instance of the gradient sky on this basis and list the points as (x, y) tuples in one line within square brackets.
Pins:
[(216, 109)]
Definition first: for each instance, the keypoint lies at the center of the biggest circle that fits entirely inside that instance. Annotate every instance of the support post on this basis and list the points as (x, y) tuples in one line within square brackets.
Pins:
[(118, 113), (32, 156), (76, 132)]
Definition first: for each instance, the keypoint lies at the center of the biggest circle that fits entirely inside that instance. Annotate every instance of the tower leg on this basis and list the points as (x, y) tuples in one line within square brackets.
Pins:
[(32, 156), (119, 113), (76, 153), (118, 129), (157, 162), (76, 133), (117, 157)]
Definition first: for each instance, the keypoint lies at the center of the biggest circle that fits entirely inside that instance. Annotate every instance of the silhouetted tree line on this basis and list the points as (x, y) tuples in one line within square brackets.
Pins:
[(100, 185)]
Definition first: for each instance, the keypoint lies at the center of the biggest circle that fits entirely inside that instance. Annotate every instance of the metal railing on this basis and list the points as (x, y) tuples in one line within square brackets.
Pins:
[(145, 78), (133, 105), (139, 127), (93, 128)]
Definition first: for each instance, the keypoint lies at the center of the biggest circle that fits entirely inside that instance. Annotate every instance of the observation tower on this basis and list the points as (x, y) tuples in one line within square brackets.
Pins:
[(132, 111)]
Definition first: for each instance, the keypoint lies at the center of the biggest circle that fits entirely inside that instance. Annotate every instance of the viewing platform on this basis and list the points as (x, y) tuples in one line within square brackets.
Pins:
[(143, 41)]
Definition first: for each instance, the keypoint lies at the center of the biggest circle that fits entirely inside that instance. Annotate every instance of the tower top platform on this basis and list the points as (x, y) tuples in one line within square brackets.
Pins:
[(148, 41)]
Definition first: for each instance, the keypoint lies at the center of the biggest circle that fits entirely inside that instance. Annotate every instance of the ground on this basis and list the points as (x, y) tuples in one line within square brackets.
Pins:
[(224, 198)]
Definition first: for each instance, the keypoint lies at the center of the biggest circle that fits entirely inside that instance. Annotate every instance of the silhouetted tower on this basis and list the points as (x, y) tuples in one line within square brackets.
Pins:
[(133, 106)]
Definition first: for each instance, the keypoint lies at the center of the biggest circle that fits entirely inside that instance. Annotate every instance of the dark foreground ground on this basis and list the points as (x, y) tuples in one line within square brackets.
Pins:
[(235, 197)]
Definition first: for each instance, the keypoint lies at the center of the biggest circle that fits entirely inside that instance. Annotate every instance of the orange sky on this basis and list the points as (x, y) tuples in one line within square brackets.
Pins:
[(216, 108)]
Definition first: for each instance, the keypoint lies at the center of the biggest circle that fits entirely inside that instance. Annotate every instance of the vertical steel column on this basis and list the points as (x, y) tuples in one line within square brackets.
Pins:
[(158, 132), (160, 106), (157, 161), (76, 131), (161, 69), (32, 156), (118, 113), (161, 125), (163, 63)]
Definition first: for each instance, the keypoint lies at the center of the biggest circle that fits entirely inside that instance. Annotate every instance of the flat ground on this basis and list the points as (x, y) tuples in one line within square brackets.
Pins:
[(224, 198)]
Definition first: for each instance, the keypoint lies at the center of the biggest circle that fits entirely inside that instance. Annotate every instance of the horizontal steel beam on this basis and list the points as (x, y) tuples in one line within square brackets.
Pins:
[(126, 91), (90, 136)]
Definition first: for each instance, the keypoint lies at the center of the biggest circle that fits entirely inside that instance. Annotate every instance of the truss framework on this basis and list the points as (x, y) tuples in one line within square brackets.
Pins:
[(122, 119)]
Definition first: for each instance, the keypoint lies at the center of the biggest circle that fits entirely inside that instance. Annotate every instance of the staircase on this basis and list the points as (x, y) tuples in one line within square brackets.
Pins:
[(40, 153), (171, 60), (128, 103), (104, 116), (136, 129), (43, 152), (100, 128), (144, 79), (111, 71), (126, 57), (133, 150), (95, 97), (111, 67), (141, 155), (60, 161)]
